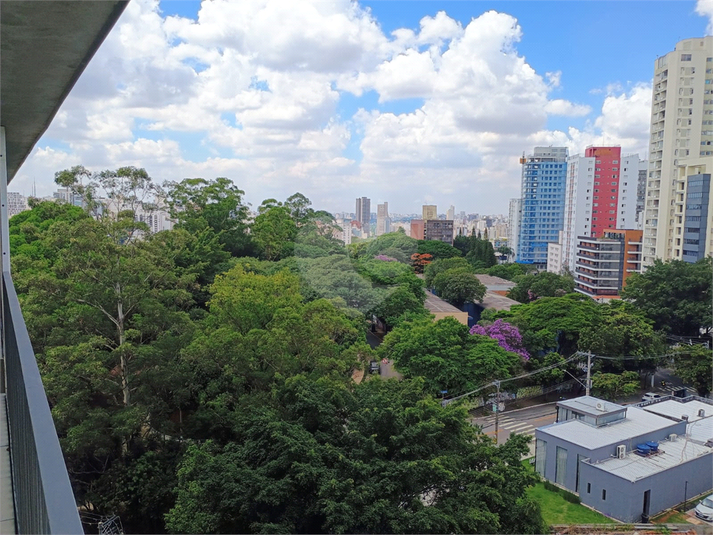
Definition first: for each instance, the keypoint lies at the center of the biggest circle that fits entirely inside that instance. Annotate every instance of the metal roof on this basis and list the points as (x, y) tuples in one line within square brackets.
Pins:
[(701, 430), (436, 304), (634, 467), (591, 406), (675, 409), (44, 48), (638, 422)]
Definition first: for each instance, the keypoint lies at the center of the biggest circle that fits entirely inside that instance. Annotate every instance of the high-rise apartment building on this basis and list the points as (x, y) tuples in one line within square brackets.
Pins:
[(601, 194), (417, 229), (544, 174), (514, 215), (681, 127), (383, 223), (16, 203), (429, 212), (363, 214), (451, 213), (693, 210)]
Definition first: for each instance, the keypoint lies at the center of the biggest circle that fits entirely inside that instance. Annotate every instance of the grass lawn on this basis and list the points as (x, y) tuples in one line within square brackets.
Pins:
[(556, 510), (673, 517)]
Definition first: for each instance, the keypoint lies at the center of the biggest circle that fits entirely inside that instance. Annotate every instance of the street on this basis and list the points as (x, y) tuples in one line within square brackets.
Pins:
[(521, 421)]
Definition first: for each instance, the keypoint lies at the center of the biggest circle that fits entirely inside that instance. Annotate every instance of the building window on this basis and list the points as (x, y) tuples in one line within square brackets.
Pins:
[(686, 57), (540, 456), (589, 488), (604, 494), (561, 466)]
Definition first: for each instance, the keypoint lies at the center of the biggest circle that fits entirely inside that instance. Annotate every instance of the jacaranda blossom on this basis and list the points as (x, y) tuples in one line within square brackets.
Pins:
[(506, 334)]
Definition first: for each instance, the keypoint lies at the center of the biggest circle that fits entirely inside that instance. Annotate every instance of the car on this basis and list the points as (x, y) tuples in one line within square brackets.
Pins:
[(650, 396), (374, 366), (704, 510)]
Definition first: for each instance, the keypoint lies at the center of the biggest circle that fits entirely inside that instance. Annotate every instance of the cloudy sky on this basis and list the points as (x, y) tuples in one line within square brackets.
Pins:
[(406, 102)]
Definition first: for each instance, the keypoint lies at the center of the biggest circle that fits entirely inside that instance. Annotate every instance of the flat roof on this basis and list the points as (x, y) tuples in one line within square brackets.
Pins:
[(634, 467), (591, 405), (701, 430), (674, 408), (436, 304), (637, 422), (497, 302), (495, 283)]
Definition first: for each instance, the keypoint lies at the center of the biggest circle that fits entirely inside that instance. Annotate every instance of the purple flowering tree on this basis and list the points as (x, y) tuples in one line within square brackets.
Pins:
[(385, 258), (506, 334)]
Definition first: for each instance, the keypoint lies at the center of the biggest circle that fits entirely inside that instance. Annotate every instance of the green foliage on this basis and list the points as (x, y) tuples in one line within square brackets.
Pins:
[(274, 232), (550, 486), (676, 295), (387, 243), (545, 284), (439, 266), (551, 323), (321, 458), (458, 286), (508, 271), (613, 386), (693, 365), (446, 355), (479, 252), (437, 249)]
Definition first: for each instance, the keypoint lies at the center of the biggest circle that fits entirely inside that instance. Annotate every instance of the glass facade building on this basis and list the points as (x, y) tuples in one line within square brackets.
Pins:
[(544, 176)]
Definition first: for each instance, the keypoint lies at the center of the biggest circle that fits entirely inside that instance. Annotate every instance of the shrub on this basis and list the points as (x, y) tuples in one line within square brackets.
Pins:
[(551, 486), (570, 497)]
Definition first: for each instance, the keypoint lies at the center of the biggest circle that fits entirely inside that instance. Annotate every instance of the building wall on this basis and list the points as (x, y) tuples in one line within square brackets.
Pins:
[(578, 206), (417, 229), (597, 454), (382, 219), (363, 214), (544, 176), (693, 216), (429, 212), (628, 183), (681, 127), (439, 229), (554, 258), (605, 193), (625, 499), (514, 215)]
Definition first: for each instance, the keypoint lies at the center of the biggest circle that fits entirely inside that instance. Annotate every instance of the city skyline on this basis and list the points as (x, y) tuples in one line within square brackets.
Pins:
[(395, 112)]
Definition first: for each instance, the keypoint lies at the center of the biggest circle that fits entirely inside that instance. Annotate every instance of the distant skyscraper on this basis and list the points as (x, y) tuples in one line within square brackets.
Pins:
[(417, 229), (16, 203), (544, 176), (681, 127), (515, 214), (438, 229), (382, 219), (451, 213), (363, 214), (429, 212)]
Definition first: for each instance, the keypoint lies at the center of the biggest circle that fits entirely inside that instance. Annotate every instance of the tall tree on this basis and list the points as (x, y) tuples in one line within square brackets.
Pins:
[(546, 284), (676, 295), (274, 231)]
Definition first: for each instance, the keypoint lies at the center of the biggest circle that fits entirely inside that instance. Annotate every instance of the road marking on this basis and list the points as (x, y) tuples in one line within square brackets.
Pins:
[(519, 427)]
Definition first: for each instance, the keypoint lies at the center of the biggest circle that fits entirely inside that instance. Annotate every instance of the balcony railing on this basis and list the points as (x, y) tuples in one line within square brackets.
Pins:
[(44, 502)]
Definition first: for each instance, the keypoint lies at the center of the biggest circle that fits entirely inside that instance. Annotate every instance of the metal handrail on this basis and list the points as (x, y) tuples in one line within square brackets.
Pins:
[(44, 502)]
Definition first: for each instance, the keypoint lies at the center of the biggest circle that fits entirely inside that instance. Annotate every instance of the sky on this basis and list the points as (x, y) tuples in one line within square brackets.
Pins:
[(409, 102)]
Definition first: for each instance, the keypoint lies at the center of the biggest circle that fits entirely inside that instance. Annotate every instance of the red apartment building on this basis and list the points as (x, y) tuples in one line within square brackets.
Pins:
[(606, 187)]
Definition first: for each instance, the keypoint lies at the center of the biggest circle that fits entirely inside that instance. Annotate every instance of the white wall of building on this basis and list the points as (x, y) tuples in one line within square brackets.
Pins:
[(514, 217), (577, 206)]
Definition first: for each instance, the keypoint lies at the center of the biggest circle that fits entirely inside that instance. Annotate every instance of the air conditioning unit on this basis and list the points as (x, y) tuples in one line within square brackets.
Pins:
[(672, 438), (701, 413), (621, 451), (684, 417)]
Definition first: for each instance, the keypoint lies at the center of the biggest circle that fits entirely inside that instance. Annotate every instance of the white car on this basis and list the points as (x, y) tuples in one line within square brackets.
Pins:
[(704, 510), (650, 396)]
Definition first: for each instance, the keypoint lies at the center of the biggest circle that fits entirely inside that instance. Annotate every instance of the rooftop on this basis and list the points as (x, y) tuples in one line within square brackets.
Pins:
[(634, 467), (676, 409), (496, 301), (495, 283), (700, 431), (436, 304), (638, 422), (591, 405)]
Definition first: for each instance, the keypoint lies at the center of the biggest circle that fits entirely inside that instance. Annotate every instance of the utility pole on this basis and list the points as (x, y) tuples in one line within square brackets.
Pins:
[(497, 409), (589, 372)]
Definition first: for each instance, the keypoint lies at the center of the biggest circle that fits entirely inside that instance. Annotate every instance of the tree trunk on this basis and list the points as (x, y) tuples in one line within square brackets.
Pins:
[(124, 362)]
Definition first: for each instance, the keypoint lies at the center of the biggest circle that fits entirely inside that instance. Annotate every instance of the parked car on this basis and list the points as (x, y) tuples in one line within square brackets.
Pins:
[(374, 366), (704, 510), (650, 396)]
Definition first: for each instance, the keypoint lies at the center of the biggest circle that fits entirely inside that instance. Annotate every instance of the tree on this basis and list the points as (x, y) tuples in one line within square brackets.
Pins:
[(420, 261), (274, 232), (323, 458), (506, 334), (479, 251), (613, 386), (439, 266), (458, 286), (693, 364), (545, 284), (676, 295), (213, 208), (399, 302), (446, 355), (393, 240), (508, 271), (437, 249)]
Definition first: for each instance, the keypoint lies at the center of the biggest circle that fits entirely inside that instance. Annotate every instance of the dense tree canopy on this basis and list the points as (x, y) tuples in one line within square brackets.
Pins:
[(545, 284), (676, 295)]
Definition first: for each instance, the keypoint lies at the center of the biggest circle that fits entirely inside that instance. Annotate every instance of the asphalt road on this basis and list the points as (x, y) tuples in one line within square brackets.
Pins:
[(521, 421)]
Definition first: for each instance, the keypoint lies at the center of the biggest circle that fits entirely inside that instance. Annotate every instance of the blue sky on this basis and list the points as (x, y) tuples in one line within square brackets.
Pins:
[(359, 110)]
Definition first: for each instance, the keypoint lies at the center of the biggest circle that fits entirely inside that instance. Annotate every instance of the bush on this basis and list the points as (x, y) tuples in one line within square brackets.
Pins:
[(551, 486), (570, 497)]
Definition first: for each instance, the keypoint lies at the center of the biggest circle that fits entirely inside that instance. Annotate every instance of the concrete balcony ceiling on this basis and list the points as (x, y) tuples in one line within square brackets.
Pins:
[(44, 48)]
